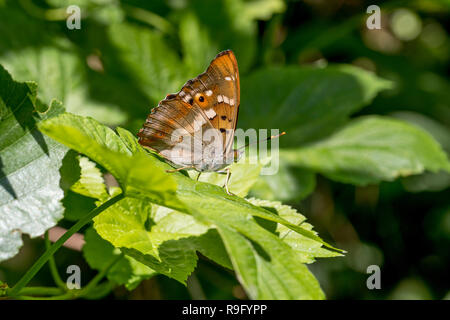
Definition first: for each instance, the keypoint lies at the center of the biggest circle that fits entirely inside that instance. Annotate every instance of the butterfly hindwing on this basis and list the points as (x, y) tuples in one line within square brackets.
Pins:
[(211, 100)]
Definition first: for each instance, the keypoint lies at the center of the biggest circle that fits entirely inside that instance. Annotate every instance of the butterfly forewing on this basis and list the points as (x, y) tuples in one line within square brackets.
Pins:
[(210, 101)]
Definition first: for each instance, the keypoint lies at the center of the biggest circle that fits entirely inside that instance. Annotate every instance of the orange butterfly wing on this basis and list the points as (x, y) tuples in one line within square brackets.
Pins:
[(211, 100)]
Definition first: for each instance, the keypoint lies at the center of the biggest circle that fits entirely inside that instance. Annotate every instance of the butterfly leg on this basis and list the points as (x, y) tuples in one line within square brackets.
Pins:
[(198, 177), (227, 179), (179, 169)]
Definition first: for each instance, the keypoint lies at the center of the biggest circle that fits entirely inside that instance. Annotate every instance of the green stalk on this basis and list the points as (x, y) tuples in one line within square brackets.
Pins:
[(93, 283), (53, 269), (42, 291), (65, 296), (150, 18), (14, 291)]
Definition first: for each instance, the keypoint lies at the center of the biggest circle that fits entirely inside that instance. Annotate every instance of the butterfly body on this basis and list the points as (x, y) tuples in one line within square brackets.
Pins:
[(194, 128)]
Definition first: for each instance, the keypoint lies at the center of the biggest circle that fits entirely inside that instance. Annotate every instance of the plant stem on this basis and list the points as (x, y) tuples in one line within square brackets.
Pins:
[(93, 283), (41, 291), (150, 18), (65, 296), (14, 291), (53, 269)]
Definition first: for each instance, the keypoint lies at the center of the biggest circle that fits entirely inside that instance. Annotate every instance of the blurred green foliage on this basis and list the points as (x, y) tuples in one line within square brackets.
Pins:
[(374, 186)]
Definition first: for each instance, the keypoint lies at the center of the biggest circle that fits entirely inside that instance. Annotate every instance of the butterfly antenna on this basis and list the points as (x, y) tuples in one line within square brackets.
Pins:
[(267, 139)]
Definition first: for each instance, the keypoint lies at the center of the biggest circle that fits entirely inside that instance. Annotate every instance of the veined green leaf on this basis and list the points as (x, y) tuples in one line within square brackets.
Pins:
[(243, 176), (273, 272), (372, 149), (306, 247), (317, 100), (427, 181), (137, 173), (91, 182), (30, 193), (127, 271), (163, 249), (128, 225)]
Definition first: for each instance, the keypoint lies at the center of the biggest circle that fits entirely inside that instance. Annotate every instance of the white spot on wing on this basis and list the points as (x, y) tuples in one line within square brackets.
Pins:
[(231, 102), (182, 93), (228, 78), (226, 100), (210, 113), (187, 98), (219, 98), (209, 93)]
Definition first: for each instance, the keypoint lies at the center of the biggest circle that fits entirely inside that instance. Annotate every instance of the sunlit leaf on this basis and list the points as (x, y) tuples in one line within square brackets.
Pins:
[(91, 182), (137, 174), (99, 253), (308, 248), (372, 149), (428, 181), (127, 225)]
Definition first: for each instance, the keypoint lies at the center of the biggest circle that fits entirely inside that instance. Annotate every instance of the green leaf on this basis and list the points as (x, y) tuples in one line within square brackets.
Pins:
[(91, 183), (161, 238), (427, 181), (233, 26), (270, 272), (142, 175), (372, 149), (201, 206), (198, 47), (30, 193), (288, 184), (264, 9), (243, 176), (76, 205), (196, 236), (153, 64), (61, 75), (104, 11), (137, 174), (306, 247), (316, 100), (127, 271), (125, 226), (233, 220)]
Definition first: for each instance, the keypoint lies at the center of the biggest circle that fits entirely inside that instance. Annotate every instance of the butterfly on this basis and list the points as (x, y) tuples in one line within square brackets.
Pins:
[(194, 128)]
